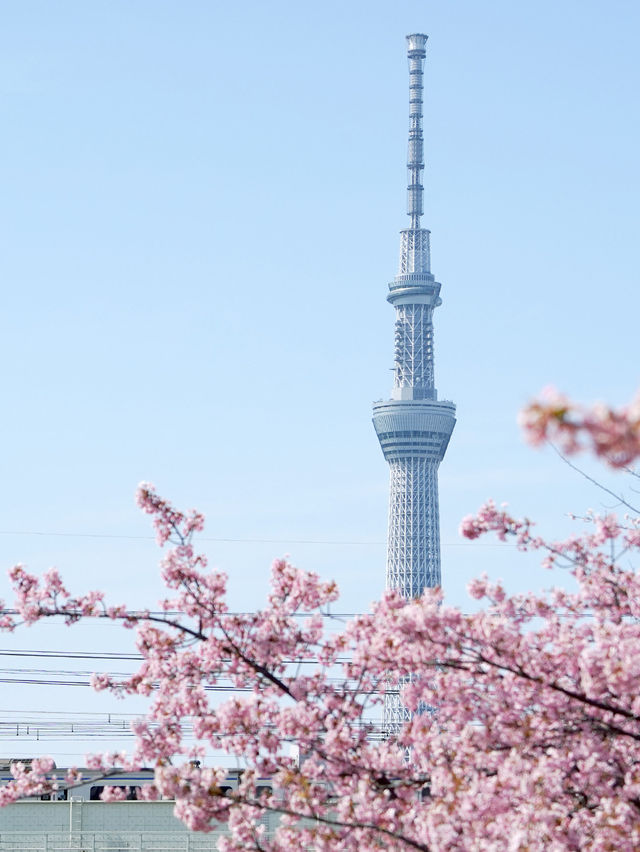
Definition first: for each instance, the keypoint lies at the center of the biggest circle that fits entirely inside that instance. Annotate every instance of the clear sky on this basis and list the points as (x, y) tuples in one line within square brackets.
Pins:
[(199, 214)]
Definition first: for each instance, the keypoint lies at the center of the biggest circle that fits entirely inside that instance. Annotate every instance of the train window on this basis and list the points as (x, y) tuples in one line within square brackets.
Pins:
[(58, 796), (131, 793)]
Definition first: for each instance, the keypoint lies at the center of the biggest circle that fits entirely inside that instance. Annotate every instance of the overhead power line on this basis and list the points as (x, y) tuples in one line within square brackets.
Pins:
[(107, 655), (64, 726), (357, 543)]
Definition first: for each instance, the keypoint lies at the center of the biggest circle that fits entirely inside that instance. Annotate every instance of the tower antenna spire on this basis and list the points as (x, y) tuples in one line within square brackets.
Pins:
[(416, 53)]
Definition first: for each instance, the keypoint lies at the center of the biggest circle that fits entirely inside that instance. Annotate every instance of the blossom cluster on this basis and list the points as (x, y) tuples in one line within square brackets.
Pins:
[(612, 434), (532, 736)]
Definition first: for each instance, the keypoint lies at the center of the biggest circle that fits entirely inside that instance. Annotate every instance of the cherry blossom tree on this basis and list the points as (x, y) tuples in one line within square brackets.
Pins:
[(531, 739), (609, 433)]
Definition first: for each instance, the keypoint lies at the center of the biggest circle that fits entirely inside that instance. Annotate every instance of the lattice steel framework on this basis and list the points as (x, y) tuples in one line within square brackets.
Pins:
[(413, 426), (414, 348)]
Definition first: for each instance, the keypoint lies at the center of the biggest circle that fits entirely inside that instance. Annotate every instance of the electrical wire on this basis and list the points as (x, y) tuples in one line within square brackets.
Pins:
[(374, 543), (100, 655)]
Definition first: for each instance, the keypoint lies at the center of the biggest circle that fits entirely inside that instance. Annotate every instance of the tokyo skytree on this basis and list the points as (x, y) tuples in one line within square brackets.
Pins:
[(413, 427)]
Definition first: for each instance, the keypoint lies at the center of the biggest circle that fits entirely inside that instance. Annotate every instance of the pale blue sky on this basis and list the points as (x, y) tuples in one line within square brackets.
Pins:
[(199, 216)]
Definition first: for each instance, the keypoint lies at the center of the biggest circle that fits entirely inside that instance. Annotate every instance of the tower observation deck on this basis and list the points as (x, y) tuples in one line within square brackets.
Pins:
[(413, 427)]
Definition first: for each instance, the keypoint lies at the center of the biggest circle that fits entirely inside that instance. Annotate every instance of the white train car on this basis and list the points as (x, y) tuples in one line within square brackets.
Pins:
[(93, 782)]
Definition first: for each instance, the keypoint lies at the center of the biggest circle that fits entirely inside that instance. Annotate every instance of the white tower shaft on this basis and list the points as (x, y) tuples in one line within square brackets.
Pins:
[(413, 427)]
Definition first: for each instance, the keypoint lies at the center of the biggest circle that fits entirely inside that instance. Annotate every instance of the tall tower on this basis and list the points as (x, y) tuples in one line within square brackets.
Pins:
[(413, 427)]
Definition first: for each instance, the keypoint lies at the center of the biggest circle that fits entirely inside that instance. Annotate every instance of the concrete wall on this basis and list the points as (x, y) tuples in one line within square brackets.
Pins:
[(86, 826), (90, 816)]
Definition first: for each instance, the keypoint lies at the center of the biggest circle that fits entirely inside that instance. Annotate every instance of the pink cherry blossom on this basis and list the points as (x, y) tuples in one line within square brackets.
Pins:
[(525, 726), (609, 433)]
